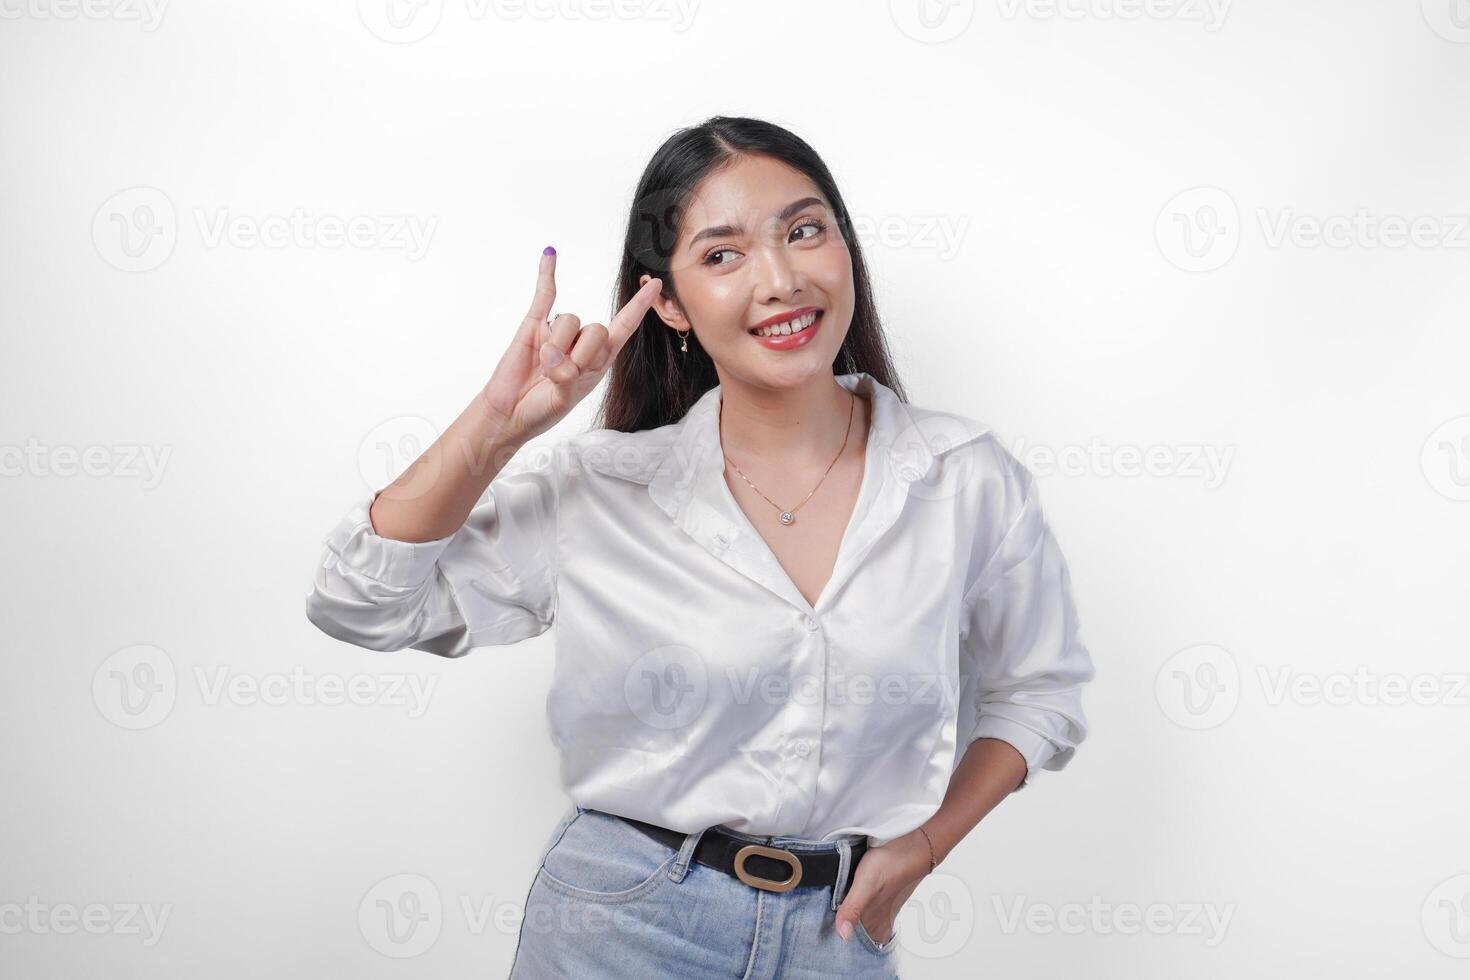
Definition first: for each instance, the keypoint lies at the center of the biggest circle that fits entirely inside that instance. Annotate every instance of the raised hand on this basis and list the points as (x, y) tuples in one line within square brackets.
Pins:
[(551, 367)]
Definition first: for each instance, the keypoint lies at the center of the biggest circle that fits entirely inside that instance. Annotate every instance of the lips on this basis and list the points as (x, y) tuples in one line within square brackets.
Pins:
[(790, 341), (772, 328), (787, 317)]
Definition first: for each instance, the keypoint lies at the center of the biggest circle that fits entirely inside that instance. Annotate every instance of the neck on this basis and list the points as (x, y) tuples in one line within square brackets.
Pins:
[(796, 426)]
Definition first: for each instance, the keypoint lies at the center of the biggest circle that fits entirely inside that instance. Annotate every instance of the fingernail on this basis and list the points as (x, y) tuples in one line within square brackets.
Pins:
[(844, 929), (548, 250), (552, 355)]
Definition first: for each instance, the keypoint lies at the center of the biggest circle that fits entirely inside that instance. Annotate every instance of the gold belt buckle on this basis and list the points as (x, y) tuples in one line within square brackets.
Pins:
[(780, 854)]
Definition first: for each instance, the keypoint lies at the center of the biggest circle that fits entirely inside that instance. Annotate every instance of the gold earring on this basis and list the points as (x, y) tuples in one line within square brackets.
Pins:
[(683, 341)]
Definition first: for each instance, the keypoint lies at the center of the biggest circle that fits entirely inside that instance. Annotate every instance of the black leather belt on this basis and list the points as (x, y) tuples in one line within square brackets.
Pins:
[(773, 869)]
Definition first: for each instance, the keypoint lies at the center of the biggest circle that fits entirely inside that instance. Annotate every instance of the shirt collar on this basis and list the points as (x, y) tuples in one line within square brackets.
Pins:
[(687, 483), (895, 439)]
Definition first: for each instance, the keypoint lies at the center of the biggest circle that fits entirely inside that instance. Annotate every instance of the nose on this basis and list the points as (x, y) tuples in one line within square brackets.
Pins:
[(777, 279)]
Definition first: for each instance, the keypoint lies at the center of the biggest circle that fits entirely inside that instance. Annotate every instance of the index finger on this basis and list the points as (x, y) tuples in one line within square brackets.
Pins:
[(626, 320), (544, 296)]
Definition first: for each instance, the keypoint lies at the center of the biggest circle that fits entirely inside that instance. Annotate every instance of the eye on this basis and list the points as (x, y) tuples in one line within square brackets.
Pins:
[(819, 225), (816, 224)]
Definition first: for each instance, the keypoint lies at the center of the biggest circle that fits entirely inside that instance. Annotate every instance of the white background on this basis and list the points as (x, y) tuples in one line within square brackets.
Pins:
[(1075, 226)]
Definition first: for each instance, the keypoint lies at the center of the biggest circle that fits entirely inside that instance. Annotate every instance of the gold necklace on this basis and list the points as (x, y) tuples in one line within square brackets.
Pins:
[(788, 517)]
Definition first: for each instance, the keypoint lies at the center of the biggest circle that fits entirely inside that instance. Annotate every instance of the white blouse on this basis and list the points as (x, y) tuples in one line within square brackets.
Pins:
[(693, 683)]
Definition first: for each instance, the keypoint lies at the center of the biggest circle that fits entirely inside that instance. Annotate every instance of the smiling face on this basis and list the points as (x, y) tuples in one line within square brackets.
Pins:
[(758, 243)]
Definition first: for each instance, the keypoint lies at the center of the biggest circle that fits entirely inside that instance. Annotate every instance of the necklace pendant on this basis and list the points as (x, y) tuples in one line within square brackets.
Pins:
[(787, 517)]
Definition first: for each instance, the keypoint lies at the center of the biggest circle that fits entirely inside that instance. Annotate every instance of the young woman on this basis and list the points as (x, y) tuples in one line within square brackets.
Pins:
[(809, 634)]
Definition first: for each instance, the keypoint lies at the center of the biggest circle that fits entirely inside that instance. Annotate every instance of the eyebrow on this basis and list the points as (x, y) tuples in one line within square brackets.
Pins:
[(720, 231)]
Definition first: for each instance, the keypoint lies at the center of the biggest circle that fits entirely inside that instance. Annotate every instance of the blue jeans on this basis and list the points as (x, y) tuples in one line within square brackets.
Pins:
[(610, 901)]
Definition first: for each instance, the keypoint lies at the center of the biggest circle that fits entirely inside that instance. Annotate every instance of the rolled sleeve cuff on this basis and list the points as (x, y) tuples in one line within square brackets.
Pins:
[(397, 564), (1035, 748)]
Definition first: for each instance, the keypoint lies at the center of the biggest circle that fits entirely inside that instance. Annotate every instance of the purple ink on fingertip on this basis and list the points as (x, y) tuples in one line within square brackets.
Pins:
[(548, 250)]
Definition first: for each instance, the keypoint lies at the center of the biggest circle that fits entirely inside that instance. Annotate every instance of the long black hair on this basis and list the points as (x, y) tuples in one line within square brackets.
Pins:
[(651, 383)]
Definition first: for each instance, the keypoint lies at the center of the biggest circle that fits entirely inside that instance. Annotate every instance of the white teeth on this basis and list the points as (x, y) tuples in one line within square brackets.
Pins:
[(789, 327)]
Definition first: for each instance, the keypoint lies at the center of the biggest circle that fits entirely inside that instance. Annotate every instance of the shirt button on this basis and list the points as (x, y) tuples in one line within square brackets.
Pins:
[(808, 622), (803, 748)]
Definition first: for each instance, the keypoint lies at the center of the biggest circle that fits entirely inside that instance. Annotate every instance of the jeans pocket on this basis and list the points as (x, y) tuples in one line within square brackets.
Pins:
[(600, 858), (872, 944)]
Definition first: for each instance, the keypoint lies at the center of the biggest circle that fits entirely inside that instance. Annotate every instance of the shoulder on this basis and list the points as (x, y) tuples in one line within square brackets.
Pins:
[(996, 500), (968, 449)]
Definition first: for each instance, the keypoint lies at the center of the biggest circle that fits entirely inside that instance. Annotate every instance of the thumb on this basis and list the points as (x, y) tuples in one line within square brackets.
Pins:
[(851, 909)]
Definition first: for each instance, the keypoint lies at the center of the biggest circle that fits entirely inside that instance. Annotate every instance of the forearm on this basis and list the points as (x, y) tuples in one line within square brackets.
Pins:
[(990, 770), (434, 496)]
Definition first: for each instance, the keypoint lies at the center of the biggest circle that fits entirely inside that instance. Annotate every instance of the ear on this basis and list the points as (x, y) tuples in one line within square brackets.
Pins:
[(668, 311)]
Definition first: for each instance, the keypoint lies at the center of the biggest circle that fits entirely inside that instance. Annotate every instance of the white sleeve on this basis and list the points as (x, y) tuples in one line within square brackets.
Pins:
[(492, 582), (1020, 638)]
